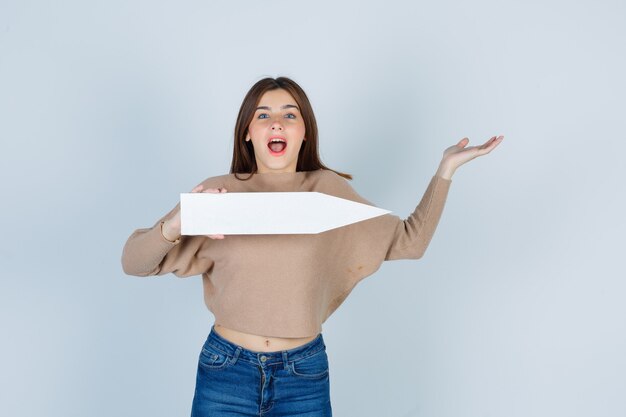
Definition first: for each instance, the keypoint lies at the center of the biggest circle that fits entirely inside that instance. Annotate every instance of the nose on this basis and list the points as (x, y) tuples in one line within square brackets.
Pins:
[(276, 125)]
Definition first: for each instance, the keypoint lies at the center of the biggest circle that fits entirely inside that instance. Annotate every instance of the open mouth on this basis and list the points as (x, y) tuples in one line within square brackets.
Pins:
[(277, 146)]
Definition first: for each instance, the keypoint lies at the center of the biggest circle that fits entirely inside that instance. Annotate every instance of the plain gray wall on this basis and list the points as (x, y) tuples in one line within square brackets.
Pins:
[(108, 110)]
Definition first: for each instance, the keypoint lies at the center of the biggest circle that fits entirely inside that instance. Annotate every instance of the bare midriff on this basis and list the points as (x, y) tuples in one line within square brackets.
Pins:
[(260, 343)]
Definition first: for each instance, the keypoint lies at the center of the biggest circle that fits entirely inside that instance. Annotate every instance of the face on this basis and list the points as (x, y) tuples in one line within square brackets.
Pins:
[(277, 116)]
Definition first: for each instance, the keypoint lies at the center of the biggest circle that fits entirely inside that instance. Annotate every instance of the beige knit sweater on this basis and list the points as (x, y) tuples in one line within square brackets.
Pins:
[(286, 285)]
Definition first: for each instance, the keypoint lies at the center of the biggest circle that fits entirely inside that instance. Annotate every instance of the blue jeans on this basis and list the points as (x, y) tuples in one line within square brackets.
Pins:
[(234, 381)]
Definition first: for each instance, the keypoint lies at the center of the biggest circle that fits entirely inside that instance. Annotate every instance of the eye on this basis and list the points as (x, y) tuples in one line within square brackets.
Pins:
[(288, 114)]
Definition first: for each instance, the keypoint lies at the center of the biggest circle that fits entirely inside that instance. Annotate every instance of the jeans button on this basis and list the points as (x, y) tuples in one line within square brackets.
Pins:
[(263, 358)]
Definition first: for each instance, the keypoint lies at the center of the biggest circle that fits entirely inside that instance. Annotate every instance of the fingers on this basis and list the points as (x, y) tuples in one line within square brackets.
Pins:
[(200, 187), (490, 144), (215, 190), (208, 190), (494, 141), (491, 141), (220, 190), (486, 144)]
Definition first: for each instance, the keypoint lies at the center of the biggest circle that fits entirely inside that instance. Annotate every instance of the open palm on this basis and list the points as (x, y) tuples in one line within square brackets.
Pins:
[(457, 155)]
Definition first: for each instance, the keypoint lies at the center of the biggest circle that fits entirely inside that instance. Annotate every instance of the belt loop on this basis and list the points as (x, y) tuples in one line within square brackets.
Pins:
[(285, 360), (236, 354)]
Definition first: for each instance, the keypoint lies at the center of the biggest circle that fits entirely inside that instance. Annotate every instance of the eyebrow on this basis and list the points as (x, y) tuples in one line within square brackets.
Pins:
[(286, 106)]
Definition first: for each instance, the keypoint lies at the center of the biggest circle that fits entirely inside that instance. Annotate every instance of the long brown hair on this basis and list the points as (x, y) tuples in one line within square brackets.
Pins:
[(244, 160)]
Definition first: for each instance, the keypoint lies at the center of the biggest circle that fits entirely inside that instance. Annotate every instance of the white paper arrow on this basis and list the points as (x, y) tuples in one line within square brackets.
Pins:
[(268, 213)]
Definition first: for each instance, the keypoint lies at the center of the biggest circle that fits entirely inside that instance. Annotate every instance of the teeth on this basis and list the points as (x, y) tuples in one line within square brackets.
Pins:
[(276, 140)]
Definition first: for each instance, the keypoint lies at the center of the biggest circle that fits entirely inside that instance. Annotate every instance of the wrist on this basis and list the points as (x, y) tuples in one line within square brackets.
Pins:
[(445, 171)]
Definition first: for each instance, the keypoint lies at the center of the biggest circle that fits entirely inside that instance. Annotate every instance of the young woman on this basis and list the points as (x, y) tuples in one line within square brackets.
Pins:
[(265, 354)]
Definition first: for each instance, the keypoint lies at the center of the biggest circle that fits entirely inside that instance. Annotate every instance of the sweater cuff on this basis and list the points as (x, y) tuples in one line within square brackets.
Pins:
[(440, 178), (441, 183)]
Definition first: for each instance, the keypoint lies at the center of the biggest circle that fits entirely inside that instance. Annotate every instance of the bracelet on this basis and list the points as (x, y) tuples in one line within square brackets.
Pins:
[(174, 241)]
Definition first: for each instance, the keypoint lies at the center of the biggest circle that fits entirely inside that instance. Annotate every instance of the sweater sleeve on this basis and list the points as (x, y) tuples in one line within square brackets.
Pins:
[(408, 238), (147, 252), (413, 234)]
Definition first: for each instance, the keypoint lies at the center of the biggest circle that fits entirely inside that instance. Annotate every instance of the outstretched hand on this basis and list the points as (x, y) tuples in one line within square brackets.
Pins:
[(457, 155)]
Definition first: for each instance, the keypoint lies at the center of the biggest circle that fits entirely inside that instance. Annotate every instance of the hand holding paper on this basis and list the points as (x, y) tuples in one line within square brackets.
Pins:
[(172, 229)]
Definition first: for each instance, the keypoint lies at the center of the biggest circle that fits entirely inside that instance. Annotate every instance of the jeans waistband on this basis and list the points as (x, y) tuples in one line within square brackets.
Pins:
[(265, 358)]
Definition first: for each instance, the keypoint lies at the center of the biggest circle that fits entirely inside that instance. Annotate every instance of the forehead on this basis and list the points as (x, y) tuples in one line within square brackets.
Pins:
[(277, 97)]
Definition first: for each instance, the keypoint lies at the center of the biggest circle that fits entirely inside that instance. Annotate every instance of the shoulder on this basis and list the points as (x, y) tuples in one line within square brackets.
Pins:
[(334, 184), (331, 177)]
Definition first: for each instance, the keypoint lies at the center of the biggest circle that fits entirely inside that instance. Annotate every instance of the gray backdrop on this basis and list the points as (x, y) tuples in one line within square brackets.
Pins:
[(108, 110)]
